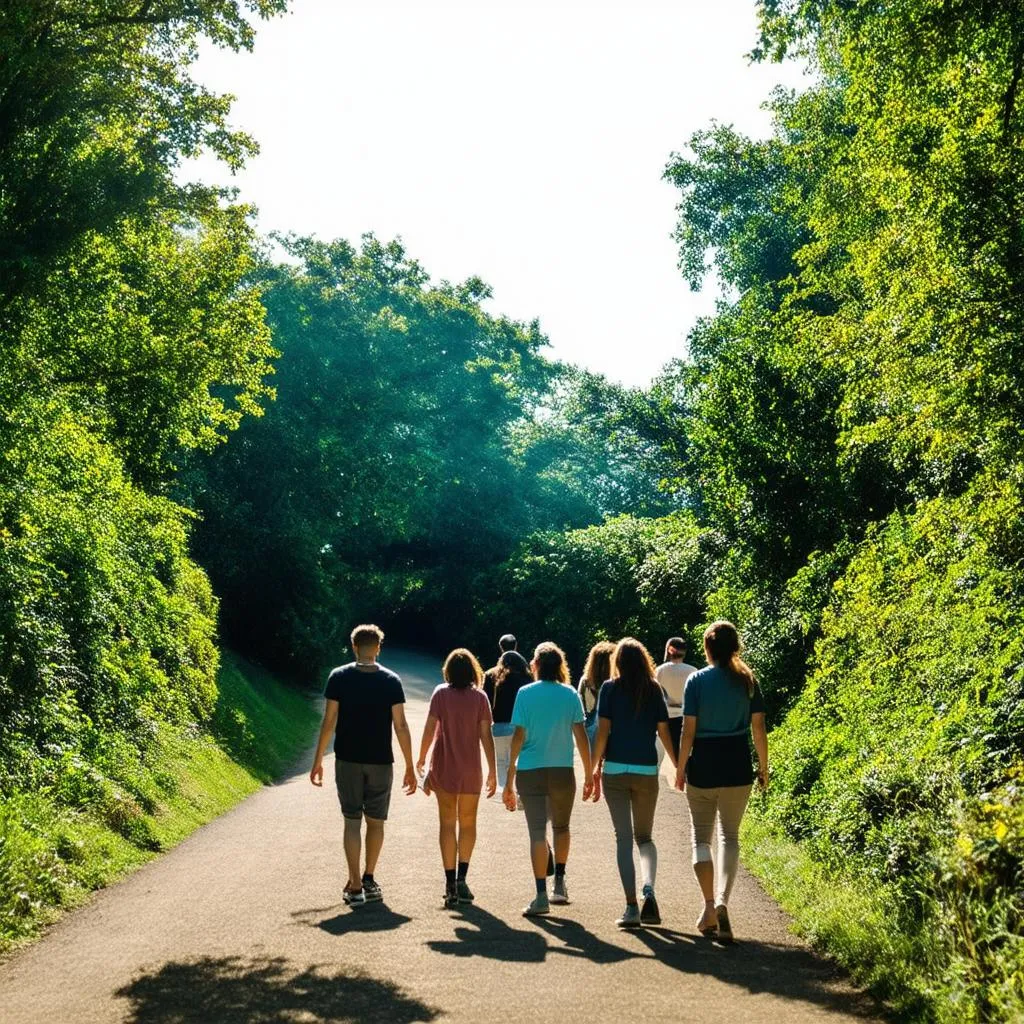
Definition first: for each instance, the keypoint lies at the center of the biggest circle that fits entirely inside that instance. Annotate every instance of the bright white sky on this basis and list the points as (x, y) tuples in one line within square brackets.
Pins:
[(517, 140)]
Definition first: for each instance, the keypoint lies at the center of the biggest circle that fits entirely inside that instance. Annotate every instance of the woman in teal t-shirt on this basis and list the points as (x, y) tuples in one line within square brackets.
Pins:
[(722, 706), (631, 712), (547, 717)]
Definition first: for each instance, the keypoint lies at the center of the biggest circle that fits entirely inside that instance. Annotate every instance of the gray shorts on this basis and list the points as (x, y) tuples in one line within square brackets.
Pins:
[(364, 789), (547, 794)]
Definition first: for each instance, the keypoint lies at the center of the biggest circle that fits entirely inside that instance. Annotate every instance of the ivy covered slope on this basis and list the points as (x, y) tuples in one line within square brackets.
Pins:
[(854, 423), (131, 333)]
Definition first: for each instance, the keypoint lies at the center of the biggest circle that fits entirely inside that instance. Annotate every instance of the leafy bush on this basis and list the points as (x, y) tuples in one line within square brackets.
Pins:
[(627, 576), (899, 765), (106, 626)]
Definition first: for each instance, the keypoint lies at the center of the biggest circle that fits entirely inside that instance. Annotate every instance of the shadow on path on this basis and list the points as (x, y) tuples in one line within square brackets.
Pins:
[(758, 967), (373, 917), (491, 937), (581, 943), (787, 972), (235, 990)]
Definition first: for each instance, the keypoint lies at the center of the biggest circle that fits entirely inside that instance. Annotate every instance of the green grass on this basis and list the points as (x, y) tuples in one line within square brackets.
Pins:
[(844, 919), (52, 856)]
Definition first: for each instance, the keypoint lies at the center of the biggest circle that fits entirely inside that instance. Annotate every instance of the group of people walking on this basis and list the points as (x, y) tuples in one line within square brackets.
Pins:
[(622, 719)]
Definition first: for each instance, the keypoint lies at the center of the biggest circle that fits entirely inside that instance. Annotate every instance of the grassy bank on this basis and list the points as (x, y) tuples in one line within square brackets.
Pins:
[(846, 921), (915, 971), (53, 855)]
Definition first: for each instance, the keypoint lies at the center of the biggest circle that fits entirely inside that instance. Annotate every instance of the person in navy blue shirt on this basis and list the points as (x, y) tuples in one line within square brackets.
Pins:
[(631, 712)]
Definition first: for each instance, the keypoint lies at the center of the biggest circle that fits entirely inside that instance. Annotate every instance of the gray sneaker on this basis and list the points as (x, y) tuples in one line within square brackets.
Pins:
[(559, 893), (649, 912), (630, 917), (353, 897), (538, 906)]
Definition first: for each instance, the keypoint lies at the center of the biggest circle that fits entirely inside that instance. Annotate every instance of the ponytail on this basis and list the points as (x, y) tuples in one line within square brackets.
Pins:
[(722, 647)]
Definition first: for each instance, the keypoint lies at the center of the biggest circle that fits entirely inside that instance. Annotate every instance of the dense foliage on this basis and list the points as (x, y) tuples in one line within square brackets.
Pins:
[(414, 441), (836, 463), (130, 334)]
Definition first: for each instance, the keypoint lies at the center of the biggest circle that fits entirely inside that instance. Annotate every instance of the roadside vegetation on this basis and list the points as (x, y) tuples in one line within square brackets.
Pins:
[(99, 814), (206, 438)]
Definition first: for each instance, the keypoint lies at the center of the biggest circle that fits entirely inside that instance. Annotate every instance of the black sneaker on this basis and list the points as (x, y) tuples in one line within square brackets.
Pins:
[(465, 895), (649, 912), (451, 899), (353, 897), (724, 925), (372, 891)]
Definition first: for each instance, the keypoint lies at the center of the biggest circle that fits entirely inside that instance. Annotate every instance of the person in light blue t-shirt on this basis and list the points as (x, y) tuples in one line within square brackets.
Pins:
[(631, 713), (547, 719)]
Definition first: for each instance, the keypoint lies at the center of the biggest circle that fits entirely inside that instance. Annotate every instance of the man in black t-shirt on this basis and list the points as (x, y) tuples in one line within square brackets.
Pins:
[(363, 702)]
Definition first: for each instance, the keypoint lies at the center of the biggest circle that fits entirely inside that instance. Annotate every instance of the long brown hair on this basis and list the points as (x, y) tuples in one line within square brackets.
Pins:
[(598, 668), (550, 664), (511, 663), (462, 670), (722, 648), (634, 668)]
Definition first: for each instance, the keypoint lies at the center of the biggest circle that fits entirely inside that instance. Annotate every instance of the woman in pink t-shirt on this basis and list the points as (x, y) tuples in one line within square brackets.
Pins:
[(458, 723)]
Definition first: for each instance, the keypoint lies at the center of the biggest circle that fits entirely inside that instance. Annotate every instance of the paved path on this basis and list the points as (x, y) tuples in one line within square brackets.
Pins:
[(243, 922)]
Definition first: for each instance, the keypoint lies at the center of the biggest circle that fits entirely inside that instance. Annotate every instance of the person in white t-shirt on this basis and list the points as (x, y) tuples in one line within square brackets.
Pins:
[(672, 676)]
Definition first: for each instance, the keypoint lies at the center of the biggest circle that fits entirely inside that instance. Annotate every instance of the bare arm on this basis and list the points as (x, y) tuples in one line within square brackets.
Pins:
[(509, 796), (604, 728), (401, 727), (492, 769), (429, 732), (685, 748), (666, 741), (579, 733), (760, 732), (327, 727)]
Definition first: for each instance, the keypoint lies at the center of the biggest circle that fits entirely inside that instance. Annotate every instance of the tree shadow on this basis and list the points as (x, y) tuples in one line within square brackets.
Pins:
[(492, 938), (373, 917), (235, 990)]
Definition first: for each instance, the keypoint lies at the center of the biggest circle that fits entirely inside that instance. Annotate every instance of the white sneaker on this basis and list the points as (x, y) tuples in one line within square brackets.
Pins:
[(538, 906), (630, 917), (559, 893)]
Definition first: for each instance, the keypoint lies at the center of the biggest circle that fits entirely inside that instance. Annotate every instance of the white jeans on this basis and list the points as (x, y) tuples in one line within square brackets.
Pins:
[(502, 758)]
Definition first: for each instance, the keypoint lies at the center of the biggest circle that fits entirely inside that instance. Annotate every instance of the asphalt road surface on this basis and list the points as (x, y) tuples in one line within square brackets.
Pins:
[(244, 922)]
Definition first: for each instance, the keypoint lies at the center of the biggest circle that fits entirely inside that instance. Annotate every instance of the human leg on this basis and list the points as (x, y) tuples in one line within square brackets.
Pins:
[(377, 779), (467, 811), (374, 843), (561, 797), (616, 795), (703, 805), (348, 778), (447, 816), (502, 758), (644, 801), (532, 788), (732, 803), (353, 842)]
